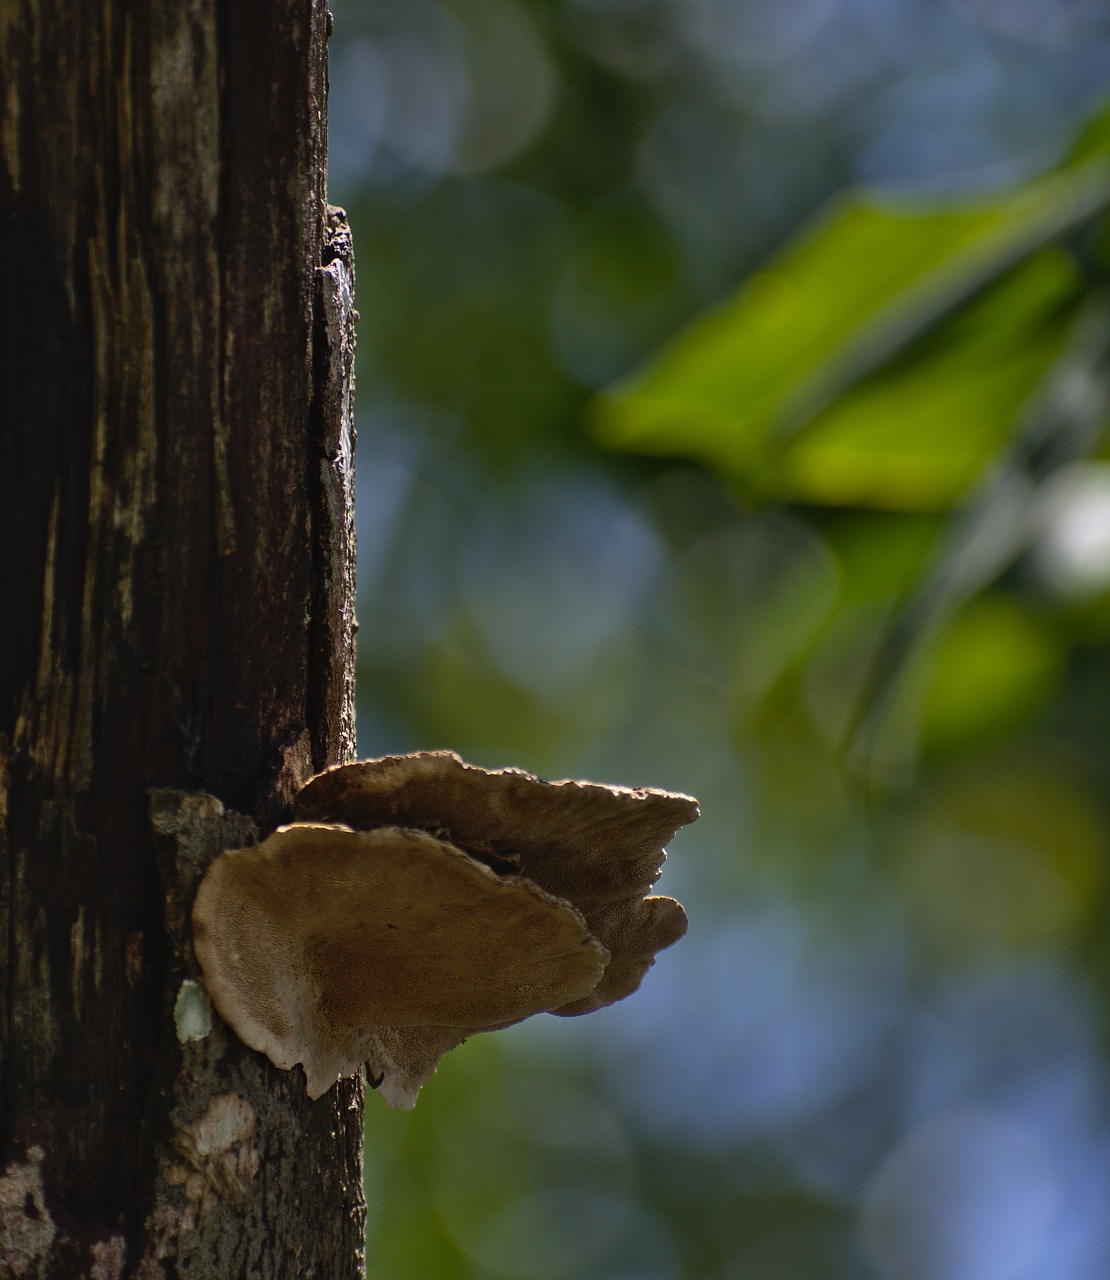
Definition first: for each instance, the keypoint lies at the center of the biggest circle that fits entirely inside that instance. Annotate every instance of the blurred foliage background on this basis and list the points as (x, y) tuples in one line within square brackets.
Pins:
[(734, 384)]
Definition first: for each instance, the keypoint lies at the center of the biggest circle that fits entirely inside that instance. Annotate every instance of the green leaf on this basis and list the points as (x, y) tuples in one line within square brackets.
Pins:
[(881, 360), (994, 665), (918, 434)]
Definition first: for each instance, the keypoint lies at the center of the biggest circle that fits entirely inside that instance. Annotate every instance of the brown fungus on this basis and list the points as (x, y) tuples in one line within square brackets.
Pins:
[(417, 899)]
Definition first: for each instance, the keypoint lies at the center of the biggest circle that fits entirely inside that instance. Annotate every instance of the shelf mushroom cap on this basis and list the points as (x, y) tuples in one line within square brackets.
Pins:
[(418, 899)]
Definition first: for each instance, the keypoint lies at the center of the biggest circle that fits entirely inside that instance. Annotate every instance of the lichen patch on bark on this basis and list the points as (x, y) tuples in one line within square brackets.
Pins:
[(219, 1157), (27, 1230)]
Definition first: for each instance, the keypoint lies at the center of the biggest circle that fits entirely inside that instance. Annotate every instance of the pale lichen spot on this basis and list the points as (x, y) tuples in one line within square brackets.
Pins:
[(27, 1230), (192, 1012), (108, 1258), (219, 1157)]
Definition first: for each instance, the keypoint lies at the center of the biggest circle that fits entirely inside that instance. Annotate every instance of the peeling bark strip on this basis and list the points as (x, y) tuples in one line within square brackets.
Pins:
[(176, 552)]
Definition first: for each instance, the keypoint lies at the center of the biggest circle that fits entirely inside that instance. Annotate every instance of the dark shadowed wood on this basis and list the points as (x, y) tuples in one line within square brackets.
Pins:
[(176, 625)]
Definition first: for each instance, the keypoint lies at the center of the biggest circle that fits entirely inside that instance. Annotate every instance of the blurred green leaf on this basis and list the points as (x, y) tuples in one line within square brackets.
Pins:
[(879, 552), (1093, 140), (881, 360), (994, 665), (917, 435)]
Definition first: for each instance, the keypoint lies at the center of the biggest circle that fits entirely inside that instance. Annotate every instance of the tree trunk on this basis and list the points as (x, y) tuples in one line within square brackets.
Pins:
[(177, 628)]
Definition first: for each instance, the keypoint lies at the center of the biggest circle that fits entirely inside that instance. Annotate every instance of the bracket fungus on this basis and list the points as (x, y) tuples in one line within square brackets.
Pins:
[(417, 899)]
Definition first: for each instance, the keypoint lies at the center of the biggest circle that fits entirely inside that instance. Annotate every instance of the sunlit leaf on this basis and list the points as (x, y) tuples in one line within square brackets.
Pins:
[(881, 360), (916, 436)]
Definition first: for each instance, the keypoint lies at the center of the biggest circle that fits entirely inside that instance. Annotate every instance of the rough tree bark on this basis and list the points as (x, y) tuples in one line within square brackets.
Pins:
[(176, 555)]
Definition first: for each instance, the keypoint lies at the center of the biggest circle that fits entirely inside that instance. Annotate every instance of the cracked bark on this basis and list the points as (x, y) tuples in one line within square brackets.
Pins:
[(176, 654)]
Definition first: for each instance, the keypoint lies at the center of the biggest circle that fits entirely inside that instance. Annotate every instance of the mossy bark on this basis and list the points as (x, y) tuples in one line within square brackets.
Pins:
[(176, 653)]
